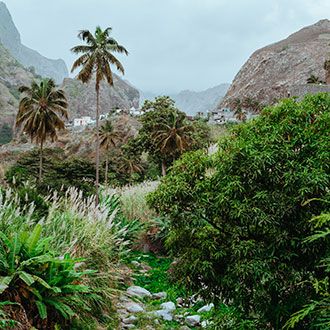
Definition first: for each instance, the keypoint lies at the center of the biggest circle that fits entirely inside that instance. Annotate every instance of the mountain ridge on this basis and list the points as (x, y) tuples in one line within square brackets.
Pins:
[(11, 39)]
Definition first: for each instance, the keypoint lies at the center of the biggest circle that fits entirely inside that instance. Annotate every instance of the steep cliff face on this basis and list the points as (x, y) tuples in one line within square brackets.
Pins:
[(82, 97), (10, 38), (270, 71)]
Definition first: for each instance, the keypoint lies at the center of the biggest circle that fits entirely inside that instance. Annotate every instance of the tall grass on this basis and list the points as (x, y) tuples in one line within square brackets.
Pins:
[(133, 200)]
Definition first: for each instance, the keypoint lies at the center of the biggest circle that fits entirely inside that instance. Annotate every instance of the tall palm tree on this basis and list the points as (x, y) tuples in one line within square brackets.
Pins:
[(41, 112), (108, 137), (96, 59), (173, 135)]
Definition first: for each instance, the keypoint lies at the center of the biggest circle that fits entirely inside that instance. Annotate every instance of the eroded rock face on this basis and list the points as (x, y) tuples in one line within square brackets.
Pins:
[(270, 71)]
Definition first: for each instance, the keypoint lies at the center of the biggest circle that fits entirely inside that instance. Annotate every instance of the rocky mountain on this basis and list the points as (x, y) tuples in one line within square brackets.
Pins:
[(82, 97), (10, 38), (192, 102), (271, 71)]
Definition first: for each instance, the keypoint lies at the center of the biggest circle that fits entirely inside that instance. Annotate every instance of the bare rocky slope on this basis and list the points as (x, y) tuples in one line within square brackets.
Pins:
[(10, 38), (271, 71), (82, 97)]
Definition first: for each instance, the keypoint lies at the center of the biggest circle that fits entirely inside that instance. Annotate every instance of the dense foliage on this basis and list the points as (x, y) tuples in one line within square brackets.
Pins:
[(59, 172), (6, 134), (238, 218)]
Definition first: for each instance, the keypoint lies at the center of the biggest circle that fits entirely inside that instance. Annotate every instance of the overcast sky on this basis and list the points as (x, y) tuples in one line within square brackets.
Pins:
[(173, 44)]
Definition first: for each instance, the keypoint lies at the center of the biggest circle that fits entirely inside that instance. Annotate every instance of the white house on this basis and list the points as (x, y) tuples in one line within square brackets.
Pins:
[(84, 121)]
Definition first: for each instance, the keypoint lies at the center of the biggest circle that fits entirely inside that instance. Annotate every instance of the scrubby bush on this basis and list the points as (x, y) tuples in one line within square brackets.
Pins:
[(238, 218)]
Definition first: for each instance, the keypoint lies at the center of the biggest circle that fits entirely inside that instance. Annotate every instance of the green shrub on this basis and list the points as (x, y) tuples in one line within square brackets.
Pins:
[(237, 218), (6, 134), (31, 275)]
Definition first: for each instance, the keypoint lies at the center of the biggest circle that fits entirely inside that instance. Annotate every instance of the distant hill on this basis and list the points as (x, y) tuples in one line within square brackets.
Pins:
[(275, 70), (10, 38), (192, 102)]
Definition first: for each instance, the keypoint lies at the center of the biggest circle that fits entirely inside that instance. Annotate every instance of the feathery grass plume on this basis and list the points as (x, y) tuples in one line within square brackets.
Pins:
[(133, 200)]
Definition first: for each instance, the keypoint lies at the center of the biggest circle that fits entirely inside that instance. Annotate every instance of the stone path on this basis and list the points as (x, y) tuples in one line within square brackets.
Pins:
[(139, 306)]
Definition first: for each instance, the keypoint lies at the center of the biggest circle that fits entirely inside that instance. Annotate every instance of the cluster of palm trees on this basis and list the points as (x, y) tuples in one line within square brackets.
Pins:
[(43, 108)]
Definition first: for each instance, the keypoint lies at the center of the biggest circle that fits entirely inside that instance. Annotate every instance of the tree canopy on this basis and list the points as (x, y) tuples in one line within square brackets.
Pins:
[(239, 219), (166, 132)]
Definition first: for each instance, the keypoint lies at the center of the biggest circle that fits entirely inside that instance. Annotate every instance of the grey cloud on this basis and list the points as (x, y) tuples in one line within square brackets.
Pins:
[(173, 44)]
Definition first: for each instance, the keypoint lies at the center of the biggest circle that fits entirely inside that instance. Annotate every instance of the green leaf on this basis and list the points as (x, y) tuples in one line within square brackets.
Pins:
[(33, 240), (15, 248), (64, 309), (5, 239), (4, 282), (27, 278), (42, 309), (41, 281)]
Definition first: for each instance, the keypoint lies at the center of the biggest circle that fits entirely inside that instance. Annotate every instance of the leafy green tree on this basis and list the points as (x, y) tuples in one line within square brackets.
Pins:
[(317, 309), (238, 218), (6, 134), (166, 133), (41, 112), (108, 138), (97, 56)]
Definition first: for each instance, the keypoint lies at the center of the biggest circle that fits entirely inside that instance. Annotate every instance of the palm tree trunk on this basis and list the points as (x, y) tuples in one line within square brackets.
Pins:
[(106, 171), (40, 163), (163, 168), (97, 148)]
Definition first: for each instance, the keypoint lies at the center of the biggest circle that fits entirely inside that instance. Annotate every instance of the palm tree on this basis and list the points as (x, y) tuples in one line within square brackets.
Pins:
[(130, 165), (39, 111), (313, 80), (173, 135), (108, 137), (96, 58), (326, 67)]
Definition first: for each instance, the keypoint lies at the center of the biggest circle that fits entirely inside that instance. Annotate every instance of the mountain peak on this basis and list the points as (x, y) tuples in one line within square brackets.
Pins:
[(274, 70)]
